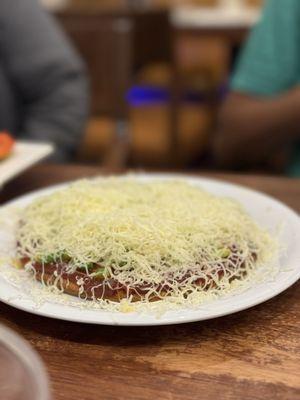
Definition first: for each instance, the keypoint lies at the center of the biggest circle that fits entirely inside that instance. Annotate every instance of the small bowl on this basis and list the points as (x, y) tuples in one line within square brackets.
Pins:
[(22, 373)]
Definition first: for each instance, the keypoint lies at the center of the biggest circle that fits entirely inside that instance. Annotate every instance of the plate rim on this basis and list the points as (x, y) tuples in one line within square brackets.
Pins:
[(18, 163)]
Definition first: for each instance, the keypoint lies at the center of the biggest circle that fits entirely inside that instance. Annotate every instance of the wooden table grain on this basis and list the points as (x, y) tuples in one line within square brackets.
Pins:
[(251, 355)]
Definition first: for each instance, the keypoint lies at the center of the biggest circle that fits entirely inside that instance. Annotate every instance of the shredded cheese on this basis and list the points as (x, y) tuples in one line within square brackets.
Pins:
[(156, 233)]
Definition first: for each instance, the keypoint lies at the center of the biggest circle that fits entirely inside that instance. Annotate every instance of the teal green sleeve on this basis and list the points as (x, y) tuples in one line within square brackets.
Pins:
[(270, 61)]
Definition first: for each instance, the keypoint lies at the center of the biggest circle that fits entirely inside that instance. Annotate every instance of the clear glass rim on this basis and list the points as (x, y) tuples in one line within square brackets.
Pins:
[(29, 359)]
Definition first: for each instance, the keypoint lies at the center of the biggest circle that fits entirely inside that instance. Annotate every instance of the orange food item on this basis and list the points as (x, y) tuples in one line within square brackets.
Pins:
[(6, 144)]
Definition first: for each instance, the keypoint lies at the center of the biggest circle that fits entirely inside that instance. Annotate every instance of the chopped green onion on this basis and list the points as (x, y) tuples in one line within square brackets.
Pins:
[(99, 272), (225, 253)]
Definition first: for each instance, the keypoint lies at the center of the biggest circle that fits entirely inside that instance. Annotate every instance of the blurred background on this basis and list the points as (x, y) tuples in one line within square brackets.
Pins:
[(158, 73)]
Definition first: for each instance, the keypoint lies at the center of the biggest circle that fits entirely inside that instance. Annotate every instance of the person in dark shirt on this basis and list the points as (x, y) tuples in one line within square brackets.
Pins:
[(43, 85)]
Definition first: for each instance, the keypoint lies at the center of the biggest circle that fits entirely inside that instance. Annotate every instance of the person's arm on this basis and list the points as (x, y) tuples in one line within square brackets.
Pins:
[(261, 115), (47, 74), (250, 128)]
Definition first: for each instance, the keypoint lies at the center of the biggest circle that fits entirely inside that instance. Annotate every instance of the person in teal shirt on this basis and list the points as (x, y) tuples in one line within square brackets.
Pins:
[(261, 115)]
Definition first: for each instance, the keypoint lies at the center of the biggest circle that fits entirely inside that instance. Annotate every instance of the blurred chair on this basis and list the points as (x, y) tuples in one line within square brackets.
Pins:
[(105, 42), (115, 44)]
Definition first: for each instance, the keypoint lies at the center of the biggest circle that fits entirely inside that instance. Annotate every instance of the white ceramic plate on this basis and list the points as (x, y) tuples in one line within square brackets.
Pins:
[(267, 211), (25, 154)]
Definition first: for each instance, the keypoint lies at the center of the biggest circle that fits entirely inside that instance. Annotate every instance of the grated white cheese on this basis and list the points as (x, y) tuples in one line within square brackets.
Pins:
[(148, 232)]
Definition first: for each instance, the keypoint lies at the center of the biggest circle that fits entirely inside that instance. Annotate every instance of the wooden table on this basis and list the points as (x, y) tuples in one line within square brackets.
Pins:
[(253, 354)]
